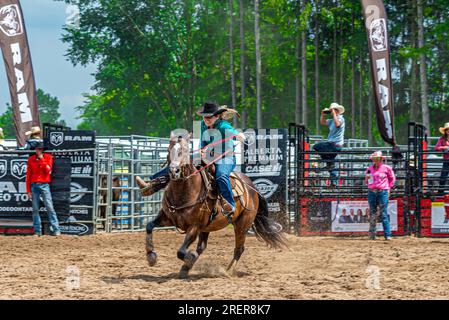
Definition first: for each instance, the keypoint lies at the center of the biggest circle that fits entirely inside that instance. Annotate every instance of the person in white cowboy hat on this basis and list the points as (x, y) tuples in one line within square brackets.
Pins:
[(443, 145), (38, 179), (34, 139), (335, 138), (379, 178)]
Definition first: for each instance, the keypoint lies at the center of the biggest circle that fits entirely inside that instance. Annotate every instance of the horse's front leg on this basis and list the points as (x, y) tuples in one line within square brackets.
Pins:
[(189, 257), (160, 221)]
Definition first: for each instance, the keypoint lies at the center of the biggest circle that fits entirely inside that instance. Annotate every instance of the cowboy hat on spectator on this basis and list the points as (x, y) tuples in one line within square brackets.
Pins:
[(336, 106), (443, 129), (34, 130), (377, 154)]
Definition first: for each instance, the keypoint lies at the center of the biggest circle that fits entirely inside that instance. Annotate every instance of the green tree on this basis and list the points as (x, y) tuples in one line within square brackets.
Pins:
[(7, 123), (48, 107), (48, 112), (158, 60)]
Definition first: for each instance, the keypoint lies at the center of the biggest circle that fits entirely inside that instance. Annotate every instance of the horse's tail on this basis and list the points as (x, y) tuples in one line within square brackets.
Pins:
[(266, 228)]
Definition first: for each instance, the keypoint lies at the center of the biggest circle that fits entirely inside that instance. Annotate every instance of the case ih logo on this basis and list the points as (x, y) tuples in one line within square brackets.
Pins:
[(56, 138), (19, 168), (11, 21), (266, 187), (3, 167), (378, 35)]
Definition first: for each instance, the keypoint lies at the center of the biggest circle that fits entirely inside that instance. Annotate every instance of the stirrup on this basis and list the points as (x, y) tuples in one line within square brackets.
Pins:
[(213, 214), (229, 216)]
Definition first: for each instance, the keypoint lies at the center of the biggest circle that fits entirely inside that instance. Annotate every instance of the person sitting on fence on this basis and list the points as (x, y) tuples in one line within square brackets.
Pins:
[(2, 140), (335, 138), (38, 178), (380, 179), (443, 145), (34, 139), (213, 128)]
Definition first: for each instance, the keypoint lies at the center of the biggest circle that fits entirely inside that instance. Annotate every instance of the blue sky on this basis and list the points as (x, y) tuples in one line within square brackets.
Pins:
[(55, 75)]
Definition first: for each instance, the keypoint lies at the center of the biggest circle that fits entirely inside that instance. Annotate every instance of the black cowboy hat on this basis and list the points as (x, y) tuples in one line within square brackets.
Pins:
[(210, 109)]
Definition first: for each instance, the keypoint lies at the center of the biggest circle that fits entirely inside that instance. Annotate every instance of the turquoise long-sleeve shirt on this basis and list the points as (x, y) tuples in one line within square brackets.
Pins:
[(221, 130)]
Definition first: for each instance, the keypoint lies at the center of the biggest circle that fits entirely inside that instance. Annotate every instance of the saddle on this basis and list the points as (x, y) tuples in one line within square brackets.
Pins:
[(213, 193)]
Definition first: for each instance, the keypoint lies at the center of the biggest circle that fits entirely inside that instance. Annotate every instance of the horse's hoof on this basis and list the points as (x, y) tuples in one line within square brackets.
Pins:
[(231, 273), (191, 258), (152, 258), (183, 274)]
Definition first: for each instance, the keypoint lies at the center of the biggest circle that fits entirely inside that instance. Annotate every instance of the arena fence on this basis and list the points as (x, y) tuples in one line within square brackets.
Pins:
[(418, 205), (103, 196), (429, 201), (120, 159)]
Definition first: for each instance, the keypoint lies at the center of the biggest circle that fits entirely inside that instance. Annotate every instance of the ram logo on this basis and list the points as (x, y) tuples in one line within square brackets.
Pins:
[(10, 20), (56, 138), (3, 168), (19, 168), (266, 187), (378, 35), (250, 137)]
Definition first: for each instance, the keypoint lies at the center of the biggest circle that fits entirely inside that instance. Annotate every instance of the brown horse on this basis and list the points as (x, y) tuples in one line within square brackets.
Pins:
[(186, 205)]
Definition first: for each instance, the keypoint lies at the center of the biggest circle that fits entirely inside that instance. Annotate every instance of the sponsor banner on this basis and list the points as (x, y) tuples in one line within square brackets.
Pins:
[(379, 51), (264, 161), (319, 218), (19, 69), (69, 139), (353, 216), (14, 201), (60, 185), (82, 167), (70, 226), (440, 217), (81, 195)]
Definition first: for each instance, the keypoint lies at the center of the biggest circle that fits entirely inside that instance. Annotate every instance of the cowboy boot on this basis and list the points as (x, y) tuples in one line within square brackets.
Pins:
[(228, 210), (151, 187)]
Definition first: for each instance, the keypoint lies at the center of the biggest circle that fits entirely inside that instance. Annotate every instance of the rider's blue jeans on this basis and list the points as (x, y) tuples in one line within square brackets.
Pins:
[(160, 173), (223, 169)]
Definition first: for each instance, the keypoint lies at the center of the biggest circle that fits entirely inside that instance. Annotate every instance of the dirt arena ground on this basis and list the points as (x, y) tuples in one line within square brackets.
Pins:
[(113, 266)]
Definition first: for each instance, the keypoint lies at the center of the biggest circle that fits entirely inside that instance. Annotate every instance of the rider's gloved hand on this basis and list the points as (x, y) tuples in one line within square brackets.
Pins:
[(203, 152)]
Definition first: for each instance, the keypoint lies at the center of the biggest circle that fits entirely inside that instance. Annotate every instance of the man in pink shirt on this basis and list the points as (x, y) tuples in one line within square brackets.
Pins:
[(380, 179), (443, 145)]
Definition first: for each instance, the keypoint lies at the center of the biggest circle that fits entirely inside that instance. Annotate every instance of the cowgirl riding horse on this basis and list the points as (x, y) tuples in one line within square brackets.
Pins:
[(188, 204), (213, 128)]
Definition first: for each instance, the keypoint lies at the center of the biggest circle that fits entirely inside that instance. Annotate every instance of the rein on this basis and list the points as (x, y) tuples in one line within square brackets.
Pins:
[(172, 209), (213, 144), (210, 163), (206, 166)]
